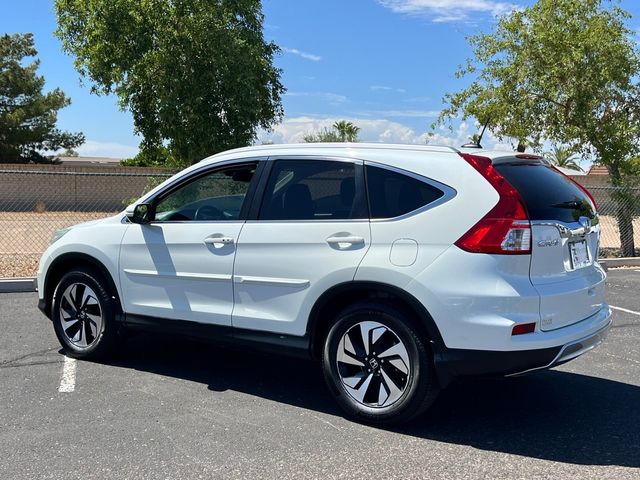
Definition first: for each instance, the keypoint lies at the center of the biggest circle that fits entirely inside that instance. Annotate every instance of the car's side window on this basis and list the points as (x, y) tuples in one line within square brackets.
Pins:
[(392, 194), (313, 190), (215, 196)]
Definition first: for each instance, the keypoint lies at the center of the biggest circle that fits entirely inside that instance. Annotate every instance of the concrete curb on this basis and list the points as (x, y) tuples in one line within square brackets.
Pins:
[(13, 285), (620, 262)]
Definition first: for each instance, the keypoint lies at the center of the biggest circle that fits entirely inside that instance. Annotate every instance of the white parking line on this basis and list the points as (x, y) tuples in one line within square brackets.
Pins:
[(625, 310), (68, 378)]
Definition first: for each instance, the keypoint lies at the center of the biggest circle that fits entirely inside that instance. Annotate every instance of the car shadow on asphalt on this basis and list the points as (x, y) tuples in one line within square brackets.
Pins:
[(552, 415)]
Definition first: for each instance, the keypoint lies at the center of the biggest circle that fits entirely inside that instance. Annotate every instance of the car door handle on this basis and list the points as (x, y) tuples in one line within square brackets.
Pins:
[(351, 239), (218, 241)]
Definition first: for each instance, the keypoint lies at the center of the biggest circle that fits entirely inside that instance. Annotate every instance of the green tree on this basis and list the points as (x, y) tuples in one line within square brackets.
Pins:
[(197, 75), (563, 157), (347, 131), (27, 115), (341, 131), (564, 70)]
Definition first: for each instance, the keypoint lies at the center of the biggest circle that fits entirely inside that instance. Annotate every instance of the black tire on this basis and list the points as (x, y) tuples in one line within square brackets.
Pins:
[(419, 385), (100, 338)]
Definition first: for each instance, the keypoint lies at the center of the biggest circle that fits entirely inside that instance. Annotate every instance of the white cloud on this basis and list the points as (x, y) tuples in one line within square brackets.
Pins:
[(307, 56), (293, 130), (448, 10), (417, 100), (462, 134), (384, 88), (453, 138), (406, 113), (333, 98), (92, 148)]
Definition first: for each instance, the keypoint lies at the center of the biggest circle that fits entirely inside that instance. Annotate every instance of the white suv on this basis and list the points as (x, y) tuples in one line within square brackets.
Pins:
[(399, 267)]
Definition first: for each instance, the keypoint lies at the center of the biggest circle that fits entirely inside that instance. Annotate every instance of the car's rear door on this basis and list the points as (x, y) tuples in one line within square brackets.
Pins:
[(565, 237), (310, 233)]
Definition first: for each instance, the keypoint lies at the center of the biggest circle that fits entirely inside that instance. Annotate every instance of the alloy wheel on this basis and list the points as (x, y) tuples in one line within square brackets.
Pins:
[(80, 315), (373, 364)]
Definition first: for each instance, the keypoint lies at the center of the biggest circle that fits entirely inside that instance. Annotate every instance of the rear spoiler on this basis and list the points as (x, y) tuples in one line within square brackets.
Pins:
[(520, 157)]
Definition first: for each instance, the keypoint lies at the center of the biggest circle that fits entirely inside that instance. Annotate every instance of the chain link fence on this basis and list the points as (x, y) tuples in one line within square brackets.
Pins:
[(614, 202), (36, 201)]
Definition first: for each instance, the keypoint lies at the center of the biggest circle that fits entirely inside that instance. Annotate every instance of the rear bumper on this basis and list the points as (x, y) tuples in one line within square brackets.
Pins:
[(452, 363), (576, 348)]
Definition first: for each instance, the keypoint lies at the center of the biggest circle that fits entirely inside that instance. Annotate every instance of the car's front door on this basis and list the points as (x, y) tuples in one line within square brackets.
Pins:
[(311, 233), (180, 265)]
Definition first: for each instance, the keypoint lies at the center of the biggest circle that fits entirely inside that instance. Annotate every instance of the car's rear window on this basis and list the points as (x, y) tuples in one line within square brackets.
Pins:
[(547, 194), (392, 194)]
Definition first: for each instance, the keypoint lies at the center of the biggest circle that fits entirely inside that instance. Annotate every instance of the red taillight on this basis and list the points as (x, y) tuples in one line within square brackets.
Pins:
[(506, 228), (523, 328), (586, 192)]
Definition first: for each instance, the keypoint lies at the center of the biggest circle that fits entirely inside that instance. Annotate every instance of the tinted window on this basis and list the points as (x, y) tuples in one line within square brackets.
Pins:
[(218, 195), (547, 194), (392, 194), (312, 190)]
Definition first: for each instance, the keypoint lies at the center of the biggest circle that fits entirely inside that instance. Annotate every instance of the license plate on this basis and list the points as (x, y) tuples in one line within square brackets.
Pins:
[(579, 254)]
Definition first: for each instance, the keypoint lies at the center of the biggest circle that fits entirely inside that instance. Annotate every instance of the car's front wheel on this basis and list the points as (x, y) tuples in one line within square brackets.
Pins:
[(83, 314), (378, 366)]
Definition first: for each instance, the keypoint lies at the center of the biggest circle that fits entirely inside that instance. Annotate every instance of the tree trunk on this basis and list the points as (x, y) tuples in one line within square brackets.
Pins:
[(625, 225), (624, 211)]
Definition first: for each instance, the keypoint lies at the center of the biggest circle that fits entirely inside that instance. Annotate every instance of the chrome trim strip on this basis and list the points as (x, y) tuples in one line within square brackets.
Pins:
[(179, 275), (449, 192), (195, 222), (316, 157), (283, 282), (314, 220), (569, 230)]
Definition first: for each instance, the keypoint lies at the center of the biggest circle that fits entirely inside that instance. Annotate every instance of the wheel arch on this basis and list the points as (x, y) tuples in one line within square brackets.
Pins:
[(63, 264), (339, 297)]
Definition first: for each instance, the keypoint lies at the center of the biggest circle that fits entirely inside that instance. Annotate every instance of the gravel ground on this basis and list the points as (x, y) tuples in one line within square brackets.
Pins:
[(16, 266), (25, 235)]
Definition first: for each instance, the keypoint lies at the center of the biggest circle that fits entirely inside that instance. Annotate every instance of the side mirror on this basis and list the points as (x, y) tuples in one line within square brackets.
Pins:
[(142, 214)]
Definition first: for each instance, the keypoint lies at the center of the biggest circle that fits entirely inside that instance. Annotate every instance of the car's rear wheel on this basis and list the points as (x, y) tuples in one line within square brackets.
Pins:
[(378, 366), (83, 314)]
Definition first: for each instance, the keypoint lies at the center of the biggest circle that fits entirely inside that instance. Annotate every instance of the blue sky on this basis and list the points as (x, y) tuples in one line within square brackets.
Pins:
[(383, 64)]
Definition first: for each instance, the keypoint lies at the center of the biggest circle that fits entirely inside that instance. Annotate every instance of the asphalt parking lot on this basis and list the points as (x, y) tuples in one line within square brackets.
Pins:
[(178, 409)]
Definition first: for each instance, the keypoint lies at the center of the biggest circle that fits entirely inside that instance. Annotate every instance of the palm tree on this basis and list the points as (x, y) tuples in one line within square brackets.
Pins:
[(347, 131), (564, 157), (341, 131), (323, 136)]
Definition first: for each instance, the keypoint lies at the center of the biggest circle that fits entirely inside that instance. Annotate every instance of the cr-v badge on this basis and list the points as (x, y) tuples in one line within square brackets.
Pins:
[(549, 243)]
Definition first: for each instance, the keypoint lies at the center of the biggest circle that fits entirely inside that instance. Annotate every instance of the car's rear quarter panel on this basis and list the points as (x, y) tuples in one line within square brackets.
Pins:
[(433, 230)]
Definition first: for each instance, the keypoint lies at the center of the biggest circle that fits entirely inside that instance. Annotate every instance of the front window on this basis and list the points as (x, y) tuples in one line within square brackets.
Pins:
[(215, 196)]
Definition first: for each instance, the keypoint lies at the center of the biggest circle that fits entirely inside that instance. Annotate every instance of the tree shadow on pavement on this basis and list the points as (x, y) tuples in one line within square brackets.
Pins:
[(553, 415)]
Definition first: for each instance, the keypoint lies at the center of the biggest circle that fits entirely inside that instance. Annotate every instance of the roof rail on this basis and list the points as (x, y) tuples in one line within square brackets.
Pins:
[(339, 145)]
